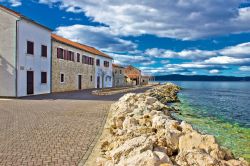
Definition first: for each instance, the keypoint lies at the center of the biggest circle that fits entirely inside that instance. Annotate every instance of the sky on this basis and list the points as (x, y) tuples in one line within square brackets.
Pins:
[(189, 37)]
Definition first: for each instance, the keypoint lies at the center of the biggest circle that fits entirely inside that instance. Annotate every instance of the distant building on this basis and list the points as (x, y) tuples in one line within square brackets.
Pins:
[(118, 75), (147, 79), (25, 55), (144, 80), (133, 75)]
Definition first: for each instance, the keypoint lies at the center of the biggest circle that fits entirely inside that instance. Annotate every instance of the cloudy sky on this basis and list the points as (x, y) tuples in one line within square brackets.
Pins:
[(206, 37)]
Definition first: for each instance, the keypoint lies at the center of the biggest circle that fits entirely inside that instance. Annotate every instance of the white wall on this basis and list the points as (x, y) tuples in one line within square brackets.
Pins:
[(107, 71), (7, 54), (28, 31)]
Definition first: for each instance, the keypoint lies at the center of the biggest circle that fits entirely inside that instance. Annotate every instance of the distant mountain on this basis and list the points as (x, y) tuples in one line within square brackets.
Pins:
[(176, 77)]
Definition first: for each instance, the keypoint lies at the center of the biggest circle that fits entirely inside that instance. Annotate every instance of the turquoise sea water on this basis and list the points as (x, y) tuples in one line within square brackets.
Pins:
[(221, 109)]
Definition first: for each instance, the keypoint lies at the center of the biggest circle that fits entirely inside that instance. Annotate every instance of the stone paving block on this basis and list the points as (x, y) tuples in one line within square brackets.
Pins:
[(48, 132)]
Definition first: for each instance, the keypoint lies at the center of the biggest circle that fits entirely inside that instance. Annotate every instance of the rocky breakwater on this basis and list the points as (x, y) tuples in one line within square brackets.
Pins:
[(142, 132)]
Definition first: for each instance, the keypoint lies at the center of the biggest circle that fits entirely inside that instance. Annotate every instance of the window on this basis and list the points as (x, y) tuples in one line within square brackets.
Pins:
[(91, 78), (83, 59), (71, 56), (44, 51), (65, 54), (44, 77), (106, 64), (30, 47), (62, 78), (87, 60), (115, 71), (78, 57), (120, 71), (97, 62), (60, 52)]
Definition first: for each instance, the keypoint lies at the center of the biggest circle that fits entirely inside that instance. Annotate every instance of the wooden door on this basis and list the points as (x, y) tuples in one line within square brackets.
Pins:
[(30, 82)]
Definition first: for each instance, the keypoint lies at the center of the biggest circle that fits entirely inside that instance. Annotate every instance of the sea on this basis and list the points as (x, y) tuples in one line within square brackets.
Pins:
[(218, 108)]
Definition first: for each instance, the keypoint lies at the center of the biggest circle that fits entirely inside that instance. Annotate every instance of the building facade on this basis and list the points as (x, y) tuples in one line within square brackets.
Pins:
[(118, 76), (73, 67), (133, 75), (104, 77), (145, 80), (25, 55)]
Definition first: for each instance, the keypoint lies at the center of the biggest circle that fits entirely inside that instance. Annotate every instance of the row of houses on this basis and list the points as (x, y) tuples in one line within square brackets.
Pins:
[(33, 60), (130, 75)]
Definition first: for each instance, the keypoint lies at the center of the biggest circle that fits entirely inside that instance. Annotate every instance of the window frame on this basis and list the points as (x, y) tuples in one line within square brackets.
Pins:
[(42, 78), (27, 47), (78, 57), (98, 60), (61, 78), (42, 55), (62, 53), (106, 63)]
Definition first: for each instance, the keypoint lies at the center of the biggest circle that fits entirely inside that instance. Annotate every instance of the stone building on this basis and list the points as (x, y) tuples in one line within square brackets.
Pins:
[(133, 75), (118, 76), (25, 55), (72, 65)]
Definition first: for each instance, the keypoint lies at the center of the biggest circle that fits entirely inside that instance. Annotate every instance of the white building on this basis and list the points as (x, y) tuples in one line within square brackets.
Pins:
[(25, 55), (104, 76)]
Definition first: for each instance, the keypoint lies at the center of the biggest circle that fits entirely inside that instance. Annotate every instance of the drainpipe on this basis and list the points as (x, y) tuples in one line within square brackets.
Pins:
[(16, 59), (51, 52)]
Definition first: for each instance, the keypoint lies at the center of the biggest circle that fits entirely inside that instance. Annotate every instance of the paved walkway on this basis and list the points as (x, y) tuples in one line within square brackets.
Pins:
[(54, 129)]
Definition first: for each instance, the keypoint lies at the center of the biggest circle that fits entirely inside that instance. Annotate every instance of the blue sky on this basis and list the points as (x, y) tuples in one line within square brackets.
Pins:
[(188, 37)]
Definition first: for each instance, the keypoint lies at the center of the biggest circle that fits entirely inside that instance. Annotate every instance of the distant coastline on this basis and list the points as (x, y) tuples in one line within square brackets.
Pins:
[(177, 77)]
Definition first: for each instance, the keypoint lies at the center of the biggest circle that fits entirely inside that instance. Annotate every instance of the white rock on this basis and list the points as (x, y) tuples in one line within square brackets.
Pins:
[(129, 122), (196, 158), (150, 100), (158, 121), (127, 147), (195, 140), (147, 158), (163, 157)]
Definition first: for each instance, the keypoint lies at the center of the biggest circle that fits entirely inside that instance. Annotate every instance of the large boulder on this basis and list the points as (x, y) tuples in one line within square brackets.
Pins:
[(196, 158), (195, 140), (146, 158)]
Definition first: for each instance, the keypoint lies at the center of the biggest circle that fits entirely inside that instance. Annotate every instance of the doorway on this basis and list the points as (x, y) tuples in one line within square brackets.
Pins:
[(79, 82), (98, 82), (30, 82)]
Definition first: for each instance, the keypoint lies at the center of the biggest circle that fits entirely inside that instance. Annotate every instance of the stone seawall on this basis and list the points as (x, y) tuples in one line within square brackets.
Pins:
[(140, 131)]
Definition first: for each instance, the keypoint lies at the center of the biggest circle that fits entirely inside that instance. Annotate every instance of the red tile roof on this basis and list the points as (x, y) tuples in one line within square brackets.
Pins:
[(132, 72), (79, 46), (116, 65)]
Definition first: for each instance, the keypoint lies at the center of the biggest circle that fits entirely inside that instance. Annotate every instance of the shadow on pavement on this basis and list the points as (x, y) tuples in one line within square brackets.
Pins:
[(80, 95)]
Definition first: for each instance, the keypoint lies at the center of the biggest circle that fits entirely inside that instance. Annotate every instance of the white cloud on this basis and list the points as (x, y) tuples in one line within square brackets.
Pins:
[(13, 3), (227, 60), (244, 68), (164, 62), (175, 19), (233, 55), (240, 50), (184, 54), (189, 66), (100, 37), (215, 71), (131, 59)]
